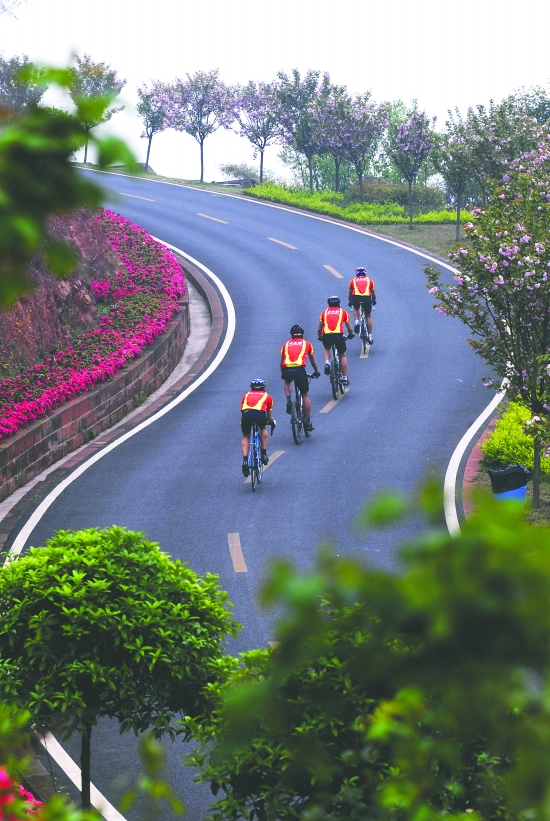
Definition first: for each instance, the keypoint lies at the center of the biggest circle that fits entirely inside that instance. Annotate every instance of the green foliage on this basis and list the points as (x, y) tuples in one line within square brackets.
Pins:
[(410, 696), (37, 179), (334, 205), (102, 623), (509, 444), (425, 197)]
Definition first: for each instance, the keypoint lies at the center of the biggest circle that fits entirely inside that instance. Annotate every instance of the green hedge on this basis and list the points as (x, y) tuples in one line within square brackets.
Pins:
[(508, 444), (333, 205), (425, 197)]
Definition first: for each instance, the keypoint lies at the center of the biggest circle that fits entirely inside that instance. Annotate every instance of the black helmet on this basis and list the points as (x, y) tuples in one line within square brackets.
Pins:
[(257, 385), (296, 330), (361, 271), (333, 301)]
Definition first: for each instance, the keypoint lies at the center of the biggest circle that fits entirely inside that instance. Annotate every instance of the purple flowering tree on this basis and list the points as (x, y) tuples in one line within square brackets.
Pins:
[(297, 99), (199, 105), (454, 161), (358, 125), (328, 116), (152, 109), (256, 115), (501, 289), (408, 146), (91, 84)]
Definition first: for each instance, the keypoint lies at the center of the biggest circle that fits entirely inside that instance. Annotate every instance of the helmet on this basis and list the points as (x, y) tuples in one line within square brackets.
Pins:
[(296, 330), (257, 385), (333, 301), (361, 271)]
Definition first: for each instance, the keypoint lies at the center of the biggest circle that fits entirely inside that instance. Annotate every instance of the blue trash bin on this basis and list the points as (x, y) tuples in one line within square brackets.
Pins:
[(510, 483)]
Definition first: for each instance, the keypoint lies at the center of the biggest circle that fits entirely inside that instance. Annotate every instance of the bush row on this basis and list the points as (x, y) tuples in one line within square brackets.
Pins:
[(424, 196), (334, 205), (508, 444)]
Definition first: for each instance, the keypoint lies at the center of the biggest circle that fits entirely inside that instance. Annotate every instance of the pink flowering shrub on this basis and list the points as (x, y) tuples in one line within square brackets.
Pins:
[(16, 803), (142, 300)]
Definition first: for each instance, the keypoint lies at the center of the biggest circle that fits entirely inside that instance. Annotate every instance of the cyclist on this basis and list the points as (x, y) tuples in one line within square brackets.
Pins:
[(294, 355), (361, 292), (256, 407), (331, 331)]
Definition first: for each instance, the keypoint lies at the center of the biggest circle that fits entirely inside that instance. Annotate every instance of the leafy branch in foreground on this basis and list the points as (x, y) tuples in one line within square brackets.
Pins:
[(37, 179), (418, 695)]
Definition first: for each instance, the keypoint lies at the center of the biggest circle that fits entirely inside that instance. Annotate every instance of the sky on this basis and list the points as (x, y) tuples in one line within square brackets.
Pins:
[(443, 54)]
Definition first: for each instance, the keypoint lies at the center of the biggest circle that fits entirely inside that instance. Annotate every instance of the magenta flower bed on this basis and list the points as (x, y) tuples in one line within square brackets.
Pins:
[(143, 299)]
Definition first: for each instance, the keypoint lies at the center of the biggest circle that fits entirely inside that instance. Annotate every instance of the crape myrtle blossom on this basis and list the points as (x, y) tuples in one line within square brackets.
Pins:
[(142, 299), (505, 297), (408, 146)]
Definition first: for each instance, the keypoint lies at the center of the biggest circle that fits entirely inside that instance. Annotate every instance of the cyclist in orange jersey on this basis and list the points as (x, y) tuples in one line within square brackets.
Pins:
[(331, 331), (294, 355), (256, 407), (361, 292)]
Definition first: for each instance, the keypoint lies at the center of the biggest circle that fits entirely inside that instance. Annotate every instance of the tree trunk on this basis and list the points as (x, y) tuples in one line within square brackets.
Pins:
[(85, 765), (337, 174), (360, 179), (410, 205), (536, 475), (202, 161), (458, 196), (261, 166), (310, 167), (86, 148), (148, 153)]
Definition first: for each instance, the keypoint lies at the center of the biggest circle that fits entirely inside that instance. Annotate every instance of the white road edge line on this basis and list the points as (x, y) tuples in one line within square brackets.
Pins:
[(449, 486), (28, 528), (450, 505), (72, 770)]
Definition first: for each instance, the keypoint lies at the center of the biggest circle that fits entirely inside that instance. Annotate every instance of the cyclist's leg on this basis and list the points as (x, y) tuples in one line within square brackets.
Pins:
[(326, 353)]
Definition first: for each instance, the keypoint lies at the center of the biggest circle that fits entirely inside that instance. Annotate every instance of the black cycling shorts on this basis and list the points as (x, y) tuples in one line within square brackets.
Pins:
[(365, 301), (251, 417), (297, 375), (336, 339)]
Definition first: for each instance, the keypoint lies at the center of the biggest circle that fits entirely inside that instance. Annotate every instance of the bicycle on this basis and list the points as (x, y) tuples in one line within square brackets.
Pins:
[(297, 415), (255, 464), (336, 375), (363, 332)]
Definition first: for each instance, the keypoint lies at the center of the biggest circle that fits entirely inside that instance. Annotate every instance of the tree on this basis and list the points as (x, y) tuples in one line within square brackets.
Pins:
[(415, 695), (37, 179), (534, 101), (257, 116), (94, 81), (102, 623), (20, 85), (501, 289), (152, 110), (297, 98), (453, 160), (200, 106), (408, 146), (361, 123)]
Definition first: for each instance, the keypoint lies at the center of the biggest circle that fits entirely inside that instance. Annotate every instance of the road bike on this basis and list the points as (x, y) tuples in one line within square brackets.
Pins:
[(297, 414), (336, 375), (363, 332), (255, 465)]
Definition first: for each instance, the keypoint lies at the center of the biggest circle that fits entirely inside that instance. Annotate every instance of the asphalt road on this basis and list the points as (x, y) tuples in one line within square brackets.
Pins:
[(179, 480)]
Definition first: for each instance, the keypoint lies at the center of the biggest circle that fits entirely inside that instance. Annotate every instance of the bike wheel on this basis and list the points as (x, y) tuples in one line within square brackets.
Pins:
[(340, 384), (252, 460), (364, 340), (334, 378), (259, 465), (303, 416), (295, 420)]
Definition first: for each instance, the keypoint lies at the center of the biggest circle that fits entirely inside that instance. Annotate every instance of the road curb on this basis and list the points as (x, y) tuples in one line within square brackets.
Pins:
[(471, 469), (38, 489)]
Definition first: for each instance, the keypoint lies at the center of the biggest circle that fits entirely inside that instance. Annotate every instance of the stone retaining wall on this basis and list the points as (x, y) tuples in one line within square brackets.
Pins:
[(40, 444)]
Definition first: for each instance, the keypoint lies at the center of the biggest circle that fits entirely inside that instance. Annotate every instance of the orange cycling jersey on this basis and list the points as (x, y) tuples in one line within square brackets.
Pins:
[(361, 286), (333, 320), (294, 353), (256, 400)]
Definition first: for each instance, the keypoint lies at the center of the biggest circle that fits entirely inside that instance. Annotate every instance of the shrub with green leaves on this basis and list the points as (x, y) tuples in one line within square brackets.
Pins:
[(509, 444), (425, 197)]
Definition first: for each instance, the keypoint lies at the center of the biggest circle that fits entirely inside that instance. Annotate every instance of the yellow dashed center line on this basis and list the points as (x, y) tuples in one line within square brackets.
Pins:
[(333, 402), (135, 196), (214, 219), (236, 553), (333, 271), (273, 458), (280, 242)]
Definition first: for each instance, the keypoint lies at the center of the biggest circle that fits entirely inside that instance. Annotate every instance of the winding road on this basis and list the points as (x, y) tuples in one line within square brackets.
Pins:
[(179, 479)]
